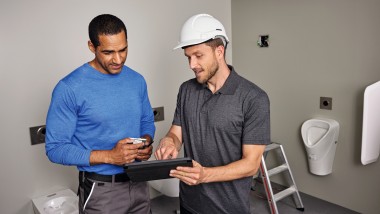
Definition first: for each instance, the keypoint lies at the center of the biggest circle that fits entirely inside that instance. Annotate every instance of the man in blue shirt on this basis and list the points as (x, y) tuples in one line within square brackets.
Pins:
[(94, 113)]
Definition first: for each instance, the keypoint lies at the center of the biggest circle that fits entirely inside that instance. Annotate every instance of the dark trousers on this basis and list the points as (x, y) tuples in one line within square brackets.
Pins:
[(110, 197)]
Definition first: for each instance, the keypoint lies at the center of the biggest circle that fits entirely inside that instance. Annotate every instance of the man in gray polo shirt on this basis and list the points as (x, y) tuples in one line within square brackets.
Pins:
[(223, 122)]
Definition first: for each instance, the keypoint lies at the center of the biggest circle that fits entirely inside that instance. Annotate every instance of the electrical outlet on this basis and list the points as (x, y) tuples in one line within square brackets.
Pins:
[(37, 134), (158, 114)]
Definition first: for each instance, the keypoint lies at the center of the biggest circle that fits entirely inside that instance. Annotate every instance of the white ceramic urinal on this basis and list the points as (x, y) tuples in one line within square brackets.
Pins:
[(320, 137), (61, 202)]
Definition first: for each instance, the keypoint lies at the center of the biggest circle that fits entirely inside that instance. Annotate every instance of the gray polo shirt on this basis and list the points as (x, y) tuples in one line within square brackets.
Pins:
[(214, 128)]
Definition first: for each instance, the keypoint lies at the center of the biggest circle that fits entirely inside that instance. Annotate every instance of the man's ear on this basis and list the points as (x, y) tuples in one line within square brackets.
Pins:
[(220, 51), (91, 46)]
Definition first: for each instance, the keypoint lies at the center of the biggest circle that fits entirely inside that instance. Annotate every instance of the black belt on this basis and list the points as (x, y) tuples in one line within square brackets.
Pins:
[(105, 178)]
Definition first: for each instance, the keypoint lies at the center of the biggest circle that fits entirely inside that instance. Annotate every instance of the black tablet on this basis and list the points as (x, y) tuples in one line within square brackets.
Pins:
[(155, 169)]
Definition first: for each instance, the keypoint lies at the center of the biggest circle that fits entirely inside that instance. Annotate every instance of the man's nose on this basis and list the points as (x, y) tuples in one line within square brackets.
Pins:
[(117, 58), (193, 63)]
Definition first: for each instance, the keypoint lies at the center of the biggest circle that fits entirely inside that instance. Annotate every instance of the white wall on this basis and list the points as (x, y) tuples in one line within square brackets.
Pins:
[(317, 48), (41, 41)]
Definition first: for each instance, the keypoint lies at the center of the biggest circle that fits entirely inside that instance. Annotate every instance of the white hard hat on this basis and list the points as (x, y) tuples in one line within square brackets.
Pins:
[(200, 28)]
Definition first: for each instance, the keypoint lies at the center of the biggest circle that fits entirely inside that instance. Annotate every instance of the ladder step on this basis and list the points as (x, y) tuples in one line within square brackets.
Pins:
[(277, 169), (266, 174), (286, 192), (271, 146)]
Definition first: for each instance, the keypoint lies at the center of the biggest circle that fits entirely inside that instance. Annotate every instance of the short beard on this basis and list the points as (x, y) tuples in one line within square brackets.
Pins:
[(211, 74)]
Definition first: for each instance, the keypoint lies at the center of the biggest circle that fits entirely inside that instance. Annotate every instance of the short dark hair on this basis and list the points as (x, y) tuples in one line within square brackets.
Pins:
[(105, 24), (214, 43)]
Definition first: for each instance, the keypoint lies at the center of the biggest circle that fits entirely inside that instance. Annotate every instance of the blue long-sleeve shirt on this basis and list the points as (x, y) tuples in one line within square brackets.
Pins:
[(93, 111)]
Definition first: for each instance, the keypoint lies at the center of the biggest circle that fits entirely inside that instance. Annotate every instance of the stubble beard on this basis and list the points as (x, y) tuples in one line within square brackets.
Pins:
[(210, 74)]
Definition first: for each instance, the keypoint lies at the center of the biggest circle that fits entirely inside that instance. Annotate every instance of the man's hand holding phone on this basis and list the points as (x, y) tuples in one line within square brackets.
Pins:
[(145, 151)]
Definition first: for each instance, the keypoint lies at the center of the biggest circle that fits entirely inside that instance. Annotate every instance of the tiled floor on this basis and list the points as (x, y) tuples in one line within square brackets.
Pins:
[(259, 205)]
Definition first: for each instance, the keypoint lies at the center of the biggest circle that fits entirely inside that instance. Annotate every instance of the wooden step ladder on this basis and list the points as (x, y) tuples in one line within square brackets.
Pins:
[(283, 168)]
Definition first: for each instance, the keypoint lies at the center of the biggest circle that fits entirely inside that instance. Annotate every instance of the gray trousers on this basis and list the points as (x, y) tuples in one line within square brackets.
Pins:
[(96, 197)]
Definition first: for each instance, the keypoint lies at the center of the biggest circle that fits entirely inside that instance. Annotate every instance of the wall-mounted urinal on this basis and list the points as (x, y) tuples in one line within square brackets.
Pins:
[(320, 137)]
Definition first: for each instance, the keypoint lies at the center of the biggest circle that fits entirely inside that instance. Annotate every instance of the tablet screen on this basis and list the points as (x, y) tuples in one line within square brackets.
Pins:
[(155, 169)]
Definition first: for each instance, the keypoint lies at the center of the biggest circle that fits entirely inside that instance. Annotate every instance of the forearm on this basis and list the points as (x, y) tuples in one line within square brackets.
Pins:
[(67, 154), (99, 157), (247, 166), (235, 170), (177, 142)]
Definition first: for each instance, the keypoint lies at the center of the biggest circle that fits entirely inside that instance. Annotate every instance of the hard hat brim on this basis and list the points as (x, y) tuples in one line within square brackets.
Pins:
[(191, 42)]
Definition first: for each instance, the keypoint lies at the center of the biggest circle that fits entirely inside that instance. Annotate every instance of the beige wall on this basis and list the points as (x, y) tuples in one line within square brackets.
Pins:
[(41, 41), (317, 48)]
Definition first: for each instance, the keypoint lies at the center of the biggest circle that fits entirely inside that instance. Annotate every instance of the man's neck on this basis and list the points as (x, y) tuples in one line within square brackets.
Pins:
[(218, 80)]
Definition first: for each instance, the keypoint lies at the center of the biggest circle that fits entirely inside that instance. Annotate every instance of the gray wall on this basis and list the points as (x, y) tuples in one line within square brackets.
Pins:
[(41, 41), (317, 48)]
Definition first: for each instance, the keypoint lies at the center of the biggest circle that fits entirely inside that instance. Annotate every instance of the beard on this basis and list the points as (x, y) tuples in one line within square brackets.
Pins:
[(210, 73)]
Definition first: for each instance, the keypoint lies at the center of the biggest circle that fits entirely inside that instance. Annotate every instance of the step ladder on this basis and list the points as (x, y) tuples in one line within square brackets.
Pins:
[(283, 168)]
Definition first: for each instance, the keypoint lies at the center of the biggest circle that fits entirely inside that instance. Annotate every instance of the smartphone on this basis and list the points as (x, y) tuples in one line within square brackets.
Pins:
[(147, 145), (138, 140), (141, 140)]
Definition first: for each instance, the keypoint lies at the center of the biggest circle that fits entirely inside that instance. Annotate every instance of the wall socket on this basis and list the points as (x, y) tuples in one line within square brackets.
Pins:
[(37, 134), (325, 103), (158, 114)]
